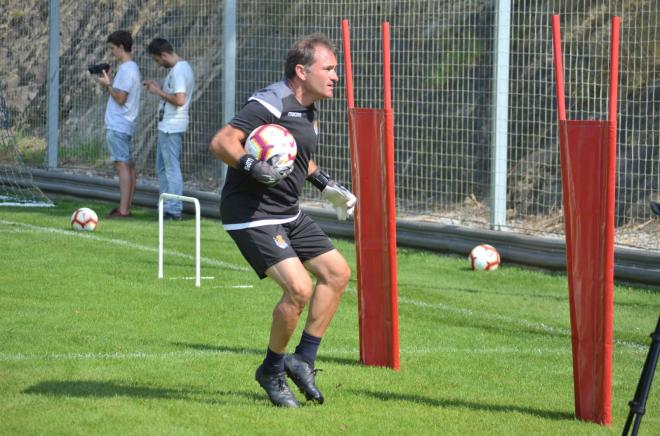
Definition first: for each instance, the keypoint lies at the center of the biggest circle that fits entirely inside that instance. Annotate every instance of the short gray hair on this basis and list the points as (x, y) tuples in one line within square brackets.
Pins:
[(302, 52)]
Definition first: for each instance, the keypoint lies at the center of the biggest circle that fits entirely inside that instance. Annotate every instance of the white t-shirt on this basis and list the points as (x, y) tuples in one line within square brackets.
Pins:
[(122, 117), (179, 79)]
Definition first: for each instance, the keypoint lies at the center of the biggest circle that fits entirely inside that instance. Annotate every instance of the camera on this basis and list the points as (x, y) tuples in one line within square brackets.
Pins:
[(98, 68)]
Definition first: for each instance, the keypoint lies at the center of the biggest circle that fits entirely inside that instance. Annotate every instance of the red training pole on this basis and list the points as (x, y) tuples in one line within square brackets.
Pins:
[(588, 164), (614, 69), (372, 155), (355, 167), (387, 79), (346, 40), (391, 197), (610, 204), (564, 152), (559, 68)]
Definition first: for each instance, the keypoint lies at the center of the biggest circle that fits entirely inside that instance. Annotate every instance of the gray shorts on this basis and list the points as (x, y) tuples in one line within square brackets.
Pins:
[(265, 246), (119, 145)]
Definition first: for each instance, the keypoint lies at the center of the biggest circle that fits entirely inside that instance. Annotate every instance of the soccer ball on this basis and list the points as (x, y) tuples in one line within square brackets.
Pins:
[(84, 219), (274, 144), (484, 257)]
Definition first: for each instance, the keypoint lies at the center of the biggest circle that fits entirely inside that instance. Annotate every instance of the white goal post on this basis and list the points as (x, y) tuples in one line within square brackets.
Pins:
[(17, 188), (161, 199)]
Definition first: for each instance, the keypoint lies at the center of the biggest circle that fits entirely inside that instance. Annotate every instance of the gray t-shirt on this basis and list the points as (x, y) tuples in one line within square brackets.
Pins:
[(179, 79), (122, 117)]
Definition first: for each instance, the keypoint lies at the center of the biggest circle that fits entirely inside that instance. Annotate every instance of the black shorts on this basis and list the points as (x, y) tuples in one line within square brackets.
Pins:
[(264, 246)]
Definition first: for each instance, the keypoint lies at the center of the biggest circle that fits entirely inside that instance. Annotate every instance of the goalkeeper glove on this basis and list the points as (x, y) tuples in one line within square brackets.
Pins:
[(262, 171), (341, 198)]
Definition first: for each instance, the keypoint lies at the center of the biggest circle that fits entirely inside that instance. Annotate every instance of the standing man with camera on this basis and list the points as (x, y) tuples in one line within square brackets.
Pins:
[(120, 116), (175, 95)]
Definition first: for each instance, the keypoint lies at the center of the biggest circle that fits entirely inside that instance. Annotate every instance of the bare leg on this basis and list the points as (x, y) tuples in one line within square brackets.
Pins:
[(332, 273), (126, 172), (133, 184), (297, 290)]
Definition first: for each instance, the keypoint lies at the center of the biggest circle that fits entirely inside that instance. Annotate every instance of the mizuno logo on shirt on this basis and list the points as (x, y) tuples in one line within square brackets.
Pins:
[(294, 114)]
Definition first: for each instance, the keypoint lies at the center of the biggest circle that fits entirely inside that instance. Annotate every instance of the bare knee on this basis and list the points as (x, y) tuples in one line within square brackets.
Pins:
[(337, 277), (299, 293), (343, 277)]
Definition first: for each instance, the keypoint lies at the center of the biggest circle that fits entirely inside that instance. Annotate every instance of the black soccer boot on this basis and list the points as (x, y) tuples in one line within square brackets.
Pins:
[(276, 387), (655, 207), (302, 374)]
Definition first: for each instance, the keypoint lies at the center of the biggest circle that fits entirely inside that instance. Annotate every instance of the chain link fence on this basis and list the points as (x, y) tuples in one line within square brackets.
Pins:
[(443, 55)]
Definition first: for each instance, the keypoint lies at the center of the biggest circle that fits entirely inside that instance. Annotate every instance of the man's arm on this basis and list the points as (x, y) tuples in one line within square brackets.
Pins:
[(311, 167), (227, 145), (117, 94), (177, 99), (341, 198)]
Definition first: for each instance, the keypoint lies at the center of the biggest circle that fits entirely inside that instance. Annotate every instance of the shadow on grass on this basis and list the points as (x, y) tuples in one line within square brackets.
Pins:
[(462, 404), (438, 290), (220, 348), (111, 389), (261, 353)]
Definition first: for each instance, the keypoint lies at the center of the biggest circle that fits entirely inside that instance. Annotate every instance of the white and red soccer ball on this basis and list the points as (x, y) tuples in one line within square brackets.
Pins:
[(273, 143), (484, 257), (84, 219)]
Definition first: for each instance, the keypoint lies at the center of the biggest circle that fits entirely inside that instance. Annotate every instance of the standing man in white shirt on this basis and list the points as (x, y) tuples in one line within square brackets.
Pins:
[(176, 95), (120, 115)]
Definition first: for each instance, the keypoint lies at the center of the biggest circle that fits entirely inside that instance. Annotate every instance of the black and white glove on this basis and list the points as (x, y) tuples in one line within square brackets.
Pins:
[(262, 171), (341, 198)]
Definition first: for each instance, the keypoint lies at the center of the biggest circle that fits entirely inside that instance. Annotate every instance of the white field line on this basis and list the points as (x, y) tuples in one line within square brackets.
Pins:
[(213, 278), (187, 354), (503, 318), (21, 357), (232, 287), (123, 243), (27, 204), (192, 278)]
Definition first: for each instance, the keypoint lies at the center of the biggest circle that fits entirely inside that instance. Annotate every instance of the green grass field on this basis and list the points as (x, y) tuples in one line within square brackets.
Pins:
[(92, 342)]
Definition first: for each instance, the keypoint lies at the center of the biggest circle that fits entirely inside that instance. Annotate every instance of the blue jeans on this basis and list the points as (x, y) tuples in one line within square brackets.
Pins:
[(168, 166)]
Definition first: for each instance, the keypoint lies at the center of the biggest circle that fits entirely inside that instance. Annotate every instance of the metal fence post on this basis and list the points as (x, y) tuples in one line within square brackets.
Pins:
[(498, 182), (229, 66), (53, 80)]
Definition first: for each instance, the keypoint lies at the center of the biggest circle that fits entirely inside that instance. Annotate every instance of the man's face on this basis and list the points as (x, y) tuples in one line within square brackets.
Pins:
[(321, 77), (115, 50), (159, 60)]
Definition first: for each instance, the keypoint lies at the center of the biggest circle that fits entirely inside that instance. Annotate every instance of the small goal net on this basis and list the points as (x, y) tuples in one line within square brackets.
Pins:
[(17, 187)]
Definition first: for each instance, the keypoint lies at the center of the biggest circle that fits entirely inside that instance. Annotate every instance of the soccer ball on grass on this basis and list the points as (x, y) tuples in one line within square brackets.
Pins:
[(274, 144), (484, 257), (84, 219)]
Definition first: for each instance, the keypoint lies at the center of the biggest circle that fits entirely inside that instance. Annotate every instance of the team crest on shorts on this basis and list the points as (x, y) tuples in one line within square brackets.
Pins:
[(280, 241)]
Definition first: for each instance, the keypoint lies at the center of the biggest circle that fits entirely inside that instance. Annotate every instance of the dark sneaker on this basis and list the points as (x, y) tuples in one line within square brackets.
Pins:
[(116, 213), (655, 207), (276, 387), (302, 374)]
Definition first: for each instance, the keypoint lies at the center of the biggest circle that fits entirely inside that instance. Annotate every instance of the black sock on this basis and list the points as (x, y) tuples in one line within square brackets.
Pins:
[(308, 347), (274, 362)]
